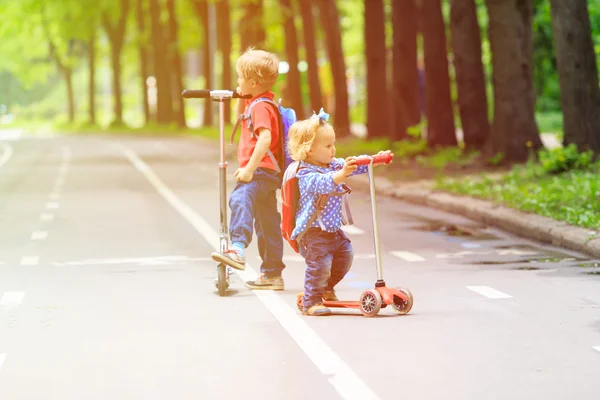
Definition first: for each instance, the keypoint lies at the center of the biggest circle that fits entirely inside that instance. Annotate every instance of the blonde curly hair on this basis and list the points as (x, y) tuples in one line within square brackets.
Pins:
[(302, 135), (259, 65)]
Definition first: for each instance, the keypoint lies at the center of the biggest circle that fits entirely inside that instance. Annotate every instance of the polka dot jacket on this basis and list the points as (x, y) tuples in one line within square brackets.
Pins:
[(314, 181)]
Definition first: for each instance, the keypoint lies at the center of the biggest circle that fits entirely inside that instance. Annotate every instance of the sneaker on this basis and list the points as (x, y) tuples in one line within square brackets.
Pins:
[(317, 310), (330, 295), (231, 258), (265, 283)]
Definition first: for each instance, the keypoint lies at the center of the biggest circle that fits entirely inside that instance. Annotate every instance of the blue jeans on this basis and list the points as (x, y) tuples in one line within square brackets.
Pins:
[(328, 257), (255, 201)]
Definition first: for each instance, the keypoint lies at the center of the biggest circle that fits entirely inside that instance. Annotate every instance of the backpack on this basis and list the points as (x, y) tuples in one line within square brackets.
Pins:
[(286, 117), (290, 196)]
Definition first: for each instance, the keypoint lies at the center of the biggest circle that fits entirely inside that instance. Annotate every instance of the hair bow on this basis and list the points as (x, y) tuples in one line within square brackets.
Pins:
[(321, 115)]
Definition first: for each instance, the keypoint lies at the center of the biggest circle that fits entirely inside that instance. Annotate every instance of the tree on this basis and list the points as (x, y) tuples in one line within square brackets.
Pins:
[(92, 77), (577, 72), (294, 92), (514, 129), (252, 31), (525, 35), (224, 44), (176, 69), (405, 77), (201, 7), (438, 103), (308, 29), (330, 21), (375, 55), (140, 17), (470, 80), (116, 37), (164, 103)]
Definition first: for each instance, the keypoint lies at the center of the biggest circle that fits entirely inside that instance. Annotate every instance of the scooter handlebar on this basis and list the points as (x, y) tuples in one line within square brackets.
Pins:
[(377, 159), (207, 94)]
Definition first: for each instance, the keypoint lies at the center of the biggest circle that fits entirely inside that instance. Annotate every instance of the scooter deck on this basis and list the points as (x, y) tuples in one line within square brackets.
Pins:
[(342, 304)]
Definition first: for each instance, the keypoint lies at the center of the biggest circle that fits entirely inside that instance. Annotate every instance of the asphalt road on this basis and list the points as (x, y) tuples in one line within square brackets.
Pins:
[(106, 292)]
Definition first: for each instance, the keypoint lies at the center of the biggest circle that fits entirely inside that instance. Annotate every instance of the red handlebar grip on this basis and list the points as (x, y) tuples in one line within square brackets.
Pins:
[(381, 159)]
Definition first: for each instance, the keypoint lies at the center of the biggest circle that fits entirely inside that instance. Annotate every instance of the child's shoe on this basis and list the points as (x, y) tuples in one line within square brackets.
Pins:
[(265, 283), (317, 310), (232, 258), (330, 295)]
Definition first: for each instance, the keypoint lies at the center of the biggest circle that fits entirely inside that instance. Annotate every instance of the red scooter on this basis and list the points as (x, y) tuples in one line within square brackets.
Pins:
[(373, 300)]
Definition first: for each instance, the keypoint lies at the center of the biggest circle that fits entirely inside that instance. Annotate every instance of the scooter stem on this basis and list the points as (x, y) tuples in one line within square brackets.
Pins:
[(224, 233), (380, 281)]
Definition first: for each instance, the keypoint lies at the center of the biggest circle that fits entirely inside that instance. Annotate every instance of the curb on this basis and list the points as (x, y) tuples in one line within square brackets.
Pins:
[(528, 225)]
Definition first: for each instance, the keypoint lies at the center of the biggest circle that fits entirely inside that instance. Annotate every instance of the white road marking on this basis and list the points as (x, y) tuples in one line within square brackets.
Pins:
[(339, 374), (54, 196), (52, 205), (352, 230), (12, 299), (46, 217), (6, 153), (489, 292), (30, 260), (2, 358), (470, 245), (39, 235), (516, 252), (596, 348), (161, 260), (66, 154), (407, 256)]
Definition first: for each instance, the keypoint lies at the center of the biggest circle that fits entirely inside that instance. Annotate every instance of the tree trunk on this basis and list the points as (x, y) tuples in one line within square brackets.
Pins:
[(514, 129), (164, 103), (525, 35), (294, 92), (308, 27), (143, 53), (116, 36), (115, 63), (92, 78), (252, 31), (375, 55), (405, 97), (176, 74), (330, 20), (577, 72), (438, 103), (470, 79), (67, 75), (201, 8), (224, 44)]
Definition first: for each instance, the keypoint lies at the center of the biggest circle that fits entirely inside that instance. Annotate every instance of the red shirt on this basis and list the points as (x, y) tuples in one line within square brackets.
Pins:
[(263, 116)]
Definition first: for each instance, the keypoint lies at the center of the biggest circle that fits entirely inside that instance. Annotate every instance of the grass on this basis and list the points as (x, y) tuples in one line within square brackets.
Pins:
[(572, 196)]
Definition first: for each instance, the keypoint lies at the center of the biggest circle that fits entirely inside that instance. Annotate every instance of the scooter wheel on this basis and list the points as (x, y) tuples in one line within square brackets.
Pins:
[(401, 306), (299, 303), (370, 302), (222, 284)]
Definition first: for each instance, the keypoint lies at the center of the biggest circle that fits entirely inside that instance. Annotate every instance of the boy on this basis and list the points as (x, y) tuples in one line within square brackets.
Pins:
[(253, 198)]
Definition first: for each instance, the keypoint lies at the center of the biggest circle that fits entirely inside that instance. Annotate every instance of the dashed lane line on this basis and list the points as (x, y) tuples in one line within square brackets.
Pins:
[(39, 235), (6, 153), (489, 292), (30, 260), (352, 230), (46, 217), (407, 256), (12, 299)]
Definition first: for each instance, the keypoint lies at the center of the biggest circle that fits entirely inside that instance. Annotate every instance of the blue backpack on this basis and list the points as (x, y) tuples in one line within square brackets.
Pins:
[(286, 117)]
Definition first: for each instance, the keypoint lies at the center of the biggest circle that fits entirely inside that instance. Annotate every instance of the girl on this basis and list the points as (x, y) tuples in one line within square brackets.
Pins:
[(323, 245)]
